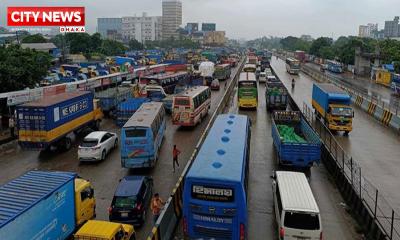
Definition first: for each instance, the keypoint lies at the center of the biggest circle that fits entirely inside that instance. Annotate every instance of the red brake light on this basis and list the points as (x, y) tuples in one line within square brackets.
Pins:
[(321, 236), (185, 226), (242, 232), (138, 206), (110, 210), (281, 232)]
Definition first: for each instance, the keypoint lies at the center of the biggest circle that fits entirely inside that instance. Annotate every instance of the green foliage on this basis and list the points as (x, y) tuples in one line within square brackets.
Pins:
[(318, 44), (293, 43), (21, 68), (390, 50), (111, 47), (135, 45), (265, 43), (35, 38)]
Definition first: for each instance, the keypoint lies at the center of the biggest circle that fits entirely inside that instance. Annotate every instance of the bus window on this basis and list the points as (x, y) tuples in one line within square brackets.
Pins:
[(136, 132)]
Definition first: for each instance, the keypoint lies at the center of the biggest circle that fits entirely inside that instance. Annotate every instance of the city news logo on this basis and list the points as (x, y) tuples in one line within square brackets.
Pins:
[(69, 19)]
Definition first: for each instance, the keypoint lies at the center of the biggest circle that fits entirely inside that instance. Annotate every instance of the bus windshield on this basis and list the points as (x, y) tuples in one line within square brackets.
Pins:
[(182, 101)]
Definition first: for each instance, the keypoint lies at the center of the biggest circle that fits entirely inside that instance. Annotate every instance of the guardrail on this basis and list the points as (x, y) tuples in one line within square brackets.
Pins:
[(370, 208), (390, 107), (172, 212)]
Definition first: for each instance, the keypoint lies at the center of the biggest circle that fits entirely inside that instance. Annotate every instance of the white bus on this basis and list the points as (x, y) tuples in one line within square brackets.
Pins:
[(190, 106), (292, 66), (296, 211)]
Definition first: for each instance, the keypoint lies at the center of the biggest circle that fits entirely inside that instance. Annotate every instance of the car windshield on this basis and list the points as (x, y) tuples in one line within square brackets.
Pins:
[(123, 202), (89, 142), (305, 221), (344, 112)]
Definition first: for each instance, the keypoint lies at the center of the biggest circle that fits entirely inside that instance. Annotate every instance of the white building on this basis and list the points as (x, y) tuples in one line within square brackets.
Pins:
[(367, 30), (172, 18), (142, 28)]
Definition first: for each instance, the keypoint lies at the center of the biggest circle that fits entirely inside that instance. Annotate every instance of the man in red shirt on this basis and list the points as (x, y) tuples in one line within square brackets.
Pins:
[(175, 154), (156, 206)]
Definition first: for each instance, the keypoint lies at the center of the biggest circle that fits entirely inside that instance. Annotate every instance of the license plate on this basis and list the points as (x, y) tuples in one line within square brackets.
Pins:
[(124, 214)]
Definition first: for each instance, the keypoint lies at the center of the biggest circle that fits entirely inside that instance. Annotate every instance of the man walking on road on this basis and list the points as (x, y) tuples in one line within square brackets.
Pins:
[(156, 205), (175, 154)]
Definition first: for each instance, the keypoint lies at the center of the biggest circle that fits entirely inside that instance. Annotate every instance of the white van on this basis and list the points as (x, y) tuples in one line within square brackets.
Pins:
[(263, 77), (296, 211)]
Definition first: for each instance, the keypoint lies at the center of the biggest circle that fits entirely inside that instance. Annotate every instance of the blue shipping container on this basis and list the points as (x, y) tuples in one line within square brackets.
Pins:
[(126, 109), (38, 205), (53, 111), (325, 94)]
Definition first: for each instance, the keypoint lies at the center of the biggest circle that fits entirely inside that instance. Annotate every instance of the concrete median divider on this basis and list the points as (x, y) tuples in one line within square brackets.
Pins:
[(171, 214)]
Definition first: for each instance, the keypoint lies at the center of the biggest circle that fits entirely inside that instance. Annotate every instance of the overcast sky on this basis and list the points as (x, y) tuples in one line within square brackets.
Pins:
[(245, 18)]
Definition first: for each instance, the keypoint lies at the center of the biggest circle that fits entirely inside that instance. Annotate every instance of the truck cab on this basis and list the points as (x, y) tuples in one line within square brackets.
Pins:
[(85, 202), (103, 230), (340, 117)]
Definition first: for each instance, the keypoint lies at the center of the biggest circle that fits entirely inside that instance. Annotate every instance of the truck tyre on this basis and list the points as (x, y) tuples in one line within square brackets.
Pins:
[(67, 143), (346, 133)]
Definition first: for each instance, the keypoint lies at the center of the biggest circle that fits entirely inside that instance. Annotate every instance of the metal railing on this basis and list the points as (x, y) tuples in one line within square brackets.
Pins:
[(379, 208), (393, 107), (170, 216)]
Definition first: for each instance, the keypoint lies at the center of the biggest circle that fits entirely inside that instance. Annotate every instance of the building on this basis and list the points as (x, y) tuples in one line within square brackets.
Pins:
[(208, 27), (214, 38), (144, 28), (171, 18), (367, 30), (49, 48), (110, 28), (392, 28), (192, 27)]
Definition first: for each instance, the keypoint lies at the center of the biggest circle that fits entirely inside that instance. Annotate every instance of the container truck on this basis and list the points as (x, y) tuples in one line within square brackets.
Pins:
[(54, 120), (111, 97), (126, 109), (334, 106), (296, 143), (276, 94), (45, 205)]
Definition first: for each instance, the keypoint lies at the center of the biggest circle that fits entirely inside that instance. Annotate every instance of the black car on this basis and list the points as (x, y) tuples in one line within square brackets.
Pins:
[(131, 200)]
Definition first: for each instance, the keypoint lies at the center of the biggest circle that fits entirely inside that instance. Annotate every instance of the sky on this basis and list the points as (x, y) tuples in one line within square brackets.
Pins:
[(246, 19)]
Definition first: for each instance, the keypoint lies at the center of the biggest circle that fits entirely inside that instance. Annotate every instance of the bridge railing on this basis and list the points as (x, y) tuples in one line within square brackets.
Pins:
[(393, 107), (171, 214), (360, 191)]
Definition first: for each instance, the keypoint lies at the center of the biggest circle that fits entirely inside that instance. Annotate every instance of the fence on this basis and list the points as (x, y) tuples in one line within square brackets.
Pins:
[(394, 108), (172, 212), (372, 211)]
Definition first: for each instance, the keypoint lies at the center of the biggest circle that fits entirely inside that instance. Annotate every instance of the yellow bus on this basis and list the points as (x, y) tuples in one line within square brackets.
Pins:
[(247, 90)]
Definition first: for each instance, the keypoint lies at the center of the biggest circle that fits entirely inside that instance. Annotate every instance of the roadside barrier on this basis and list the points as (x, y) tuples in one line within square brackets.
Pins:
[(388, 115), (369, 208), (172, 212)]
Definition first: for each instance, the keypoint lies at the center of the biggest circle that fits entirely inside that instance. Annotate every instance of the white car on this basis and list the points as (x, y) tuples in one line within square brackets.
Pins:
[(96, 145)]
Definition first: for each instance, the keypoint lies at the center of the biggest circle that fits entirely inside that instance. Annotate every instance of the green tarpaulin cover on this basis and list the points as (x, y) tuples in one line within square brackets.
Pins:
[(288, 135)]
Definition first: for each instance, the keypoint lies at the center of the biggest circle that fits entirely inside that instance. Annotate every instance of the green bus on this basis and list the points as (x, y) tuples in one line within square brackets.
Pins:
[(222, 71), (247, 90)]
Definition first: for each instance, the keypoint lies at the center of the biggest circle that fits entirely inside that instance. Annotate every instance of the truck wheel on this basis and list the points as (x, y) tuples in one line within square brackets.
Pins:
[(67, 143), (346, 133)]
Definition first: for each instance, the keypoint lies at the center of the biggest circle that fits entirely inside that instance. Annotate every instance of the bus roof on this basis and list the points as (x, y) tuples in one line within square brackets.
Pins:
[(247, 76), (191, 92), (145, 115), (295, 192), (221, 157), (292, 59)]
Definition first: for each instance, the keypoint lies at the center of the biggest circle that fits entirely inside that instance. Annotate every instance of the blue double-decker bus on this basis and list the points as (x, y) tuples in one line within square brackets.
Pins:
[(215, 190)]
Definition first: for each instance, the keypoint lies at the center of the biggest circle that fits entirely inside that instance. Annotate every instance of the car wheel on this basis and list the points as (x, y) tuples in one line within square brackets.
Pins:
[(116, 143), (103, 155)]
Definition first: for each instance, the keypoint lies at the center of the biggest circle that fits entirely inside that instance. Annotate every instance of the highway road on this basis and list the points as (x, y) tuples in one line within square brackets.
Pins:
[(337, 223), (373, 146), (105, 175), (365, 86)]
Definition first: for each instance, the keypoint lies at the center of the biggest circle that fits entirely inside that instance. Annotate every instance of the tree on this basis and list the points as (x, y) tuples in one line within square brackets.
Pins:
[(79, 42), (35, 38), (21, 68), (111, 47), (318, 44), (96, 42), (326, 52), (135, 45), (293, 43)]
